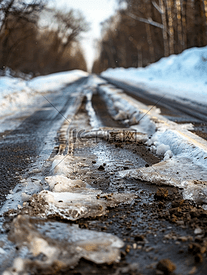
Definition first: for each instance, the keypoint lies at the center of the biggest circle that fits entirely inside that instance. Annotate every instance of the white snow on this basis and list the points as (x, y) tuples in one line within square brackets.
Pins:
[(182, 76), (16, 93), (55, 81), (162, 149)]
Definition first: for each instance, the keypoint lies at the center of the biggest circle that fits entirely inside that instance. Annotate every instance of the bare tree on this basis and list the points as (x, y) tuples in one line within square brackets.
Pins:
[(28, 46), (13, 14)]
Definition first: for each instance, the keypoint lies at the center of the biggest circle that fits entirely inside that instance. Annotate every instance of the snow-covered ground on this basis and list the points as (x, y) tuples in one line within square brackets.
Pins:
[(16, 93), (183, 76)]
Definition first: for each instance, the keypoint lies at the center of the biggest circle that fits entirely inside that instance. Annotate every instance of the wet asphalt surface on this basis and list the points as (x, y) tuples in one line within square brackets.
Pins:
[(157, 225), (21, 147), (149, 233)]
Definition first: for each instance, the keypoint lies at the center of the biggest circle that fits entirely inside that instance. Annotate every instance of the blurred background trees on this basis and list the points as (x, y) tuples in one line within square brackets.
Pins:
[(38, 40), (143, 31)]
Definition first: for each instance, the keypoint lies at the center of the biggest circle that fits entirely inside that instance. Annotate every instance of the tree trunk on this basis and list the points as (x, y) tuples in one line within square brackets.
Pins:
[(184, 9), (150, 44), (203, 10), (164, 23), (139, 50), (170, 24), (179, 25), (149, 34)]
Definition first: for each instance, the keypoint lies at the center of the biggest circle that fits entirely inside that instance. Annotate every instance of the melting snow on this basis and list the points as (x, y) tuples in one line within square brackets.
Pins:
[(184, 153), (56, 246)]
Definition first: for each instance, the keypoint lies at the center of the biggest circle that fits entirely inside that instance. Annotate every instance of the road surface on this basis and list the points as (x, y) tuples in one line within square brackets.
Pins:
[(158, 225)]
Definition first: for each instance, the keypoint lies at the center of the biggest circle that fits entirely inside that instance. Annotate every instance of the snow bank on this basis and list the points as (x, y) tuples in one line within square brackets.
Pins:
[(16, 93), (55, 81), (182, 76), (121, 109), (184, 153)]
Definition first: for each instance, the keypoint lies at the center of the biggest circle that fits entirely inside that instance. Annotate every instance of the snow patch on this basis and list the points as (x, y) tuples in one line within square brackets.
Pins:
[(16, 93)]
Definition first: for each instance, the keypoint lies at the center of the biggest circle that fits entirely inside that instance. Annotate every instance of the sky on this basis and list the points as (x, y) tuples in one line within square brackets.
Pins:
[(95, 12)]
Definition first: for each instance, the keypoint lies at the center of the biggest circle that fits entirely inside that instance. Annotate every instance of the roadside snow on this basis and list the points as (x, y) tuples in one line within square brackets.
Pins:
[(182, 76), (55, 81), (184, 153), (16, 93)]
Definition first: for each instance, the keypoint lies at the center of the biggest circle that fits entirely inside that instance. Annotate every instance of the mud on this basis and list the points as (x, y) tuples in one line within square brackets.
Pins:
[(158, 226)]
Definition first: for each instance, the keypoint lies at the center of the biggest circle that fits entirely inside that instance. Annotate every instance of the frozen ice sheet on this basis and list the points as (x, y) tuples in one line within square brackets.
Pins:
[(177, 171), (73, 206), (54, 246), (59, 183)]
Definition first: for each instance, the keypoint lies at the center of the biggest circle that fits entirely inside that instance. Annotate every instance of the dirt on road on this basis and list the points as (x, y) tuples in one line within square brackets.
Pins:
[(162, 232)]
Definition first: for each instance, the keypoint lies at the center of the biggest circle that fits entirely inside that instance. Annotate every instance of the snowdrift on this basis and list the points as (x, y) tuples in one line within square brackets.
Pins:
[(16, 93), (182, 76)]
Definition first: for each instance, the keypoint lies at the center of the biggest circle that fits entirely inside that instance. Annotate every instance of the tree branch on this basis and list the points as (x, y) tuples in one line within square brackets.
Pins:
[(147, 21), (157, 7)]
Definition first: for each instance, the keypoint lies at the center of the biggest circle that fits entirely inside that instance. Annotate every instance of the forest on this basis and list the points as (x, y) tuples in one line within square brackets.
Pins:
[(143, 31), (38, 40)]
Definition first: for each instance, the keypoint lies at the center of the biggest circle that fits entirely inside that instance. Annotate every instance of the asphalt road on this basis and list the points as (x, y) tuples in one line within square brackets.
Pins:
[(20, 147), (158, 225)]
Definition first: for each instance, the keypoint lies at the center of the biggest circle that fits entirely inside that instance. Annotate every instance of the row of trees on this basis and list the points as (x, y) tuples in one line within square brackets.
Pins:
[(38, 40), (145, 30)]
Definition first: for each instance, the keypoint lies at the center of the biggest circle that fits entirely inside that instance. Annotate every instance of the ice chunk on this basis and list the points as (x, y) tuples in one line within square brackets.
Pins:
[(2, 251), (122, 115), (73, 206), (18, 265), (180, 172), (56, 247), (195, 190), (59, 183), (162, 148), (198, 231), (25, 197), (168, 154), (61, 165)]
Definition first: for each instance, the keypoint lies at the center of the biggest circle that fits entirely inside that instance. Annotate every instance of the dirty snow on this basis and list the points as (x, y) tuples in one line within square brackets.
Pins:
[(43, 244), (184, 153), (60, 250), (73, 199), (16, 93), (64, 196), (182, 76)]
